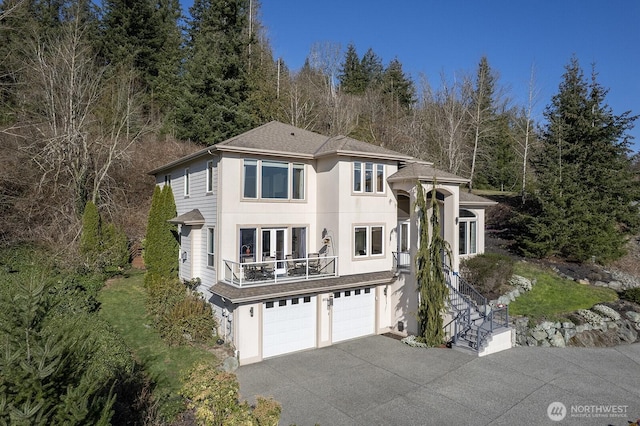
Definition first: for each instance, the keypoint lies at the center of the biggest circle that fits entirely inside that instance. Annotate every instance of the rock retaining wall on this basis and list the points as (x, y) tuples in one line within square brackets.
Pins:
[(599, 326)]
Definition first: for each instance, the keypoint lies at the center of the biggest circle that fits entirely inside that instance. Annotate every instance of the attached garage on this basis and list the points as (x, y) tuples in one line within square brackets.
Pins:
[(288, 325), (354, 314)]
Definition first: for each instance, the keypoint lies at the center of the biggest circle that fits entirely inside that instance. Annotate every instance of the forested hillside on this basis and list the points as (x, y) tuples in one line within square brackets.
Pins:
[(92, 96)]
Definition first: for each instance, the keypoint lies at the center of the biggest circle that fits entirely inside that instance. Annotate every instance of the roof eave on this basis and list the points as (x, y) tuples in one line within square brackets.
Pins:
[(209, 150), (271, 153)]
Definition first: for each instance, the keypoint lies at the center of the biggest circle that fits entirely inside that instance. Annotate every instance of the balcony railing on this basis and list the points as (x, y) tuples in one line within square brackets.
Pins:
[(252, 274), (402, 260)]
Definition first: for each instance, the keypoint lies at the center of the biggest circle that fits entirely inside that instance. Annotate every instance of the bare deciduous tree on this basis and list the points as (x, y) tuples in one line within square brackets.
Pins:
[(447, 111), (84, 119)]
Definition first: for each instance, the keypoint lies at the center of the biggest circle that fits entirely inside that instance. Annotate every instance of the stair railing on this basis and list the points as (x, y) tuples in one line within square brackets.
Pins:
[(463, 293)]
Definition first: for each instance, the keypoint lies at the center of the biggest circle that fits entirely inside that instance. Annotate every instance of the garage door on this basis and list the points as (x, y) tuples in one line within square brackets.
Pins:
[(288, 325), (354, 314)]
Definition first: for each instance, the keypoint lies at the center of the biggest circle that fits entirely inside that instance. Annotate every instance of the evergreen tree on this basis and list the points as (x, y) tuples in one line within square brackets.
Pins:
[(51, 371), (90, 239), (352, 79), (214, 104), (430, 275), (372, 68), (145, 35), (161, 244), (585, 204), (397, 87)]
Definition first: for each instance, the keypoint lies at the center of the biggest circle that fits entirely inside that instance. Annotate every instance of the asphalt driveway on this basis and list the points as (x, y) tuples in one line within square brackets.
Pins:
[(380, 381)]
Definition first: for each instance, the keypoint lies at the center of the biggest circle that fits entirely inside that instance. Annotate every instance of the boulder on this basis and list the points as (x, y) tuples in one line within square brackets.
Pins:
[(626, 332), (557, 340), (568, 333), (230, 364), (633, 316), (546, 325), (568, 324), (539, 335), (616, 285)]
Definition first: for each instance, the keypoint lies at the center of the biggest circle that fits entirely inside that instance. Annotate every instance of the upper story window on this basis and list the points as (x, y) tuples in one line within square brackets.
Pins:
[(276, 180), (186, 182), (167, 180), (275, 176), (368, 177), (250, 179), (209, 176), (468, 232), (368, 241), (211, 247)]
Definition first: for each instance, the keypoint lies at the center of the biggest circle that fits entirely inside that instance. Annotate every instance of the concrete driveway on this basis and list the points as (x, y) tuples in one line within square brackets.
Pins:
[(380, 381)]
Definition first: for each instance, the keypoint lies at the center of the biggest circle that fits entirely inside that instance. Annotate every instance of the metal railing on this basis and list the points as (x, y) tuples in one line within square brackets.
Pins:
[(464, 300), (402, 260), (252, 274)]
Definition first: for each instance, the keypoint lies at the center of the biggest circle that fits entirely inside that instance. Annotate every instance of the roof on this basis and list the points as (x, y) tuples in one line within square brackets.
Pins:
[(470, 199), (325, 285), (280, 139), (425, 172), (194, 217)]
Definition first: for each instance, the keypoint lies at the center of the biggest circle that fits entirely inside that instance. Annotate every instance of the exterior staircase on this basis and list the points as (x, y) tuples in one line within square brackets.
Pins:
[(475, 325)]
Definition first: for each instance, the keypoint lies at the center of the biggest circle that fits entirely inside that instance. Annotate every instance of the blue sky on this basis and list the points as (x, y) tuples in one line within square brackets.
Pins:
[(450, 36)]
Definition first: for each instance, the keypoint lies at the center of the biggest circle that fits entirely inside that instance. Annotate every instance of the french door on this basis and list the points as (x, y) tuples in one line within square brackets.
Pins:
[(274, 245)]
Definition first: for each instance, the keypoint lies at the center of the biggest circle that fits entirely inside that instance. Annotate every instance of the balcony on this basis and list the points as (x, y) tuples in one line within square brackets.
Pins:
[(402, 261), (268, 272)]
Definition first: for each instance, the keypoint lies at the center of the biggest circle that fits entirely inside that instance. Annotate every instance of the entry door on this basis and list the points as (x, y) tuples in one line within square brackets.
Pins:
[(274, 244)]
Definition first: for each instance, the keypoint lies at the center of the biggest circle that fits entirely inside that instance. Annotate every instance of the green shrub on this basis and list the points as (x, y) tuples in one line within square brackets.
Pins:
[(489, 273), (267, 411), (632, 295), (163, 294), (191, 319), (213, 395)]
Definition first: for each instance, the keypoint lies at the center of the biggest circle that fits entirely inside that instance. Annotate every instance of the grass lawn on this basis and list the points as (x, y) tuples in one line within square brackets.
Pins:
[(123, 305), (553, 297)]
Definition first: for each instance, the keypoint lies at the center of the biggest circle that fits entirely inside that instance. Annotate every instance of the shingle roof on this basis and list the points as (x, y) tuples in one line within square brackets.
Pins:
[(285, 140), (425, 172), (194, 217), (471, 199), (303, 287)]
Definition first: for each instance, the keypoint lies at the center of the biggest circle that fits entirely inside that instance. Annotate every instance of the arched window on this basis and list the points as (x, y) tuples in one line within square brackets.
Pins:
[(468, 228)]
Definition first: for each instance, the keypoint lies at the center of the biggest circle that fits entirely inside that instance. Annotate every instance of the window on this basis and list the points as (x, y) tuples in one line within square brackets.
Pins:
[(403, 240), (376, 240), (370, 180), (357, 177), (211, 241), (368, 177), (186, 182), (360, 241), (167, 180), (275, 180), (379, 178), (248, 245), (297, 181), (299, 242), (209, 176), (368, 241), (468, 232), (250, 179)]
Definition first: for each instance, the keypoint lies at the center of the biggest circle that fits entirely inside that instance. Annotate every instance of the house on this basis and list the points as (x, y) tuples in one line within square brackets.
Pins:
[(302, 240)]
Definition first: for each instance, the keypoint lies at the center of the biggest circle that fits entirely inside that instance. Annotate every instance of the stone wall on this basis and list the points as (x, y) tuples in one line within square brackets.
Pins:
[(599, 326)]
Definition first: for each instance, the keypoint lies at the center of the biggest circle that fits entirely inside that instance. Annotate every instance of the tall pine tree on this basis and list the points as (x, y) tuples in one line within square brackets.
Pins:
[(214, 104), (351, 77), (585, 204)]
